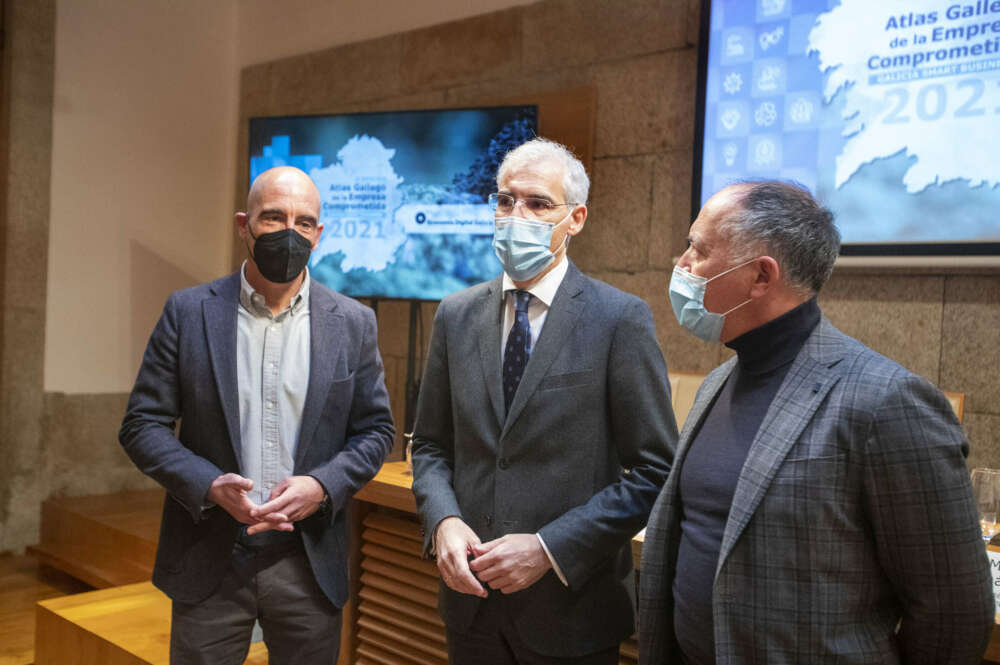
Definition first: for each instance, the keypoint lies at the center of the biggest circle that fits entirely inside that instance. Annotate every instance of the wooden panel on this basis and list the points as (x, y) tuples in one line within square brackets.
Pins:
[(401, 590), (373, 653), (430, 631), (397, 604), (407, 528), (127, 625), (424, 566), (391, 488), (105, 540), (404, 545), (406, 638), (416, 580), (406, 655)]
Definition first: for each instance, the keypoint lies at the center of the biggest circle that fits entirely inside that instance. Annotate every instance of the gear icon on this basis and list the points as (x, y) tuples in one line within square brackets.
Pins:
[(733, 83)]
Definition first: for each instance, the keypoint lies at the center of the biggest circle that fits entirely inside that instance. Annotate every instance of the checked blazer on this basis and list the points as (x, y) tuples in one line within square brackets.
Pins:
[(853, 536)]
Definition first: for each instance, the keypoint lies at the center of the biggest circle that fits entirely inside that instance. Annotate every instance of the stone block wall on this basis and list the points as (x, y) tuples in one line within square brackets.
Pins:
[(640, 57)]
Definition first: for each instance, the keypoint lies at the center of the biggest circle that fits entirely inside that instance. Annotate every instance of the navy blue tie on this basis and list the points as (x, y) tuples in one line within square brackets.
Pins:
[(515, 355)]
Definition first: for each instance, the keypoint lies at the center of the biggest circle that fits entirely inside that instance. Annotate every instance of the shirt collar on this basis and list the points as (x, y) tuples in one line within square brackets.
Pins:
[(545, 289), (255, 303)]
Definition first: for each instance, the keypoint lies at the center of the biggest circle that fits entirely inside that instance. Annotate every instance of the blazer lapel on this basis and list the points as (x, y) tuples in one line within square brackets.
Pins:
[(560, 320), (326, 344), (488, 332), (220, 328), (809, 379)]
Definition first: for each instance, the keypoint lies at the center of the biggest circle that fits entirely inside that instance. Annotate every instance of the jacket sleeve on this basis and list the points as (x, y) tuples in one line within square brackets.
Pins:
[(433, 438), (926, 527), (147, 431), (643, 432), (370, 429)]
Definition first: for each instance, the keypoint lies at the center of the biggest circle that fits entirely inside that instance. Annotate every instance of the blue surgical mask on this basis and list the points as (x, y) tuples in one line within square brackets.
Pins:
[(687, 296), (523, 246)]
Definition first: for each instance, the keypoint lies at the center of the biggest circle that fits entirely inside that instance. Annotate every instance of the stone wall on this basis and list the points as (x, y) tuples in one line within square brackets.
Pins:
[(641, 58)]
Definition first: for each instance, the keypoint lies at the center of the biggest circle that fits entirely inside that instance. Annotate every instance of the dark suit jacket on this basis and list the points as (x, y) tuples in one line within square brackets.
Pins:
[(853, 513), (579, 459), (189, 373)]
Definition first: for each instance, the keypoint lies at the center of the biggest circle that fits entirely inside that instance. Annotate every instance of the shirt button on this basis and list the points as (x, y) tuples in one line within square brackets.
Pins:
[(270, 405), (503, 464)]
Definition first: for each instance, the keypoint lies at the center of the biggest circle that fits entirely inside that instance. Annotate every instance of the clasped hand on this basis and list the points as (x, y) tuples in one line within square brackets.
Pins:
[(294, 498), (510, 563)]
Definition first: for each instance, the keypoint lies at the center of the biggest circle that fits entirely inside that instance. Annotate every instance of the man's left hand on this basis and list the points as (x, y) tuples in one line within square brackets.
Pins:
[(511, 563), (294, 498)]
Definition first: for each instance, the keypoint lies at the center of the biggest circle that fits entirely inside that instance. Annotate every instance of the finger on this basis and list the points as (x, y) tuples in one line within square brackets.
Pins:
[(275, 517), (260, 527), (479, 549), (277, 505), (457, 575), (487, 560)]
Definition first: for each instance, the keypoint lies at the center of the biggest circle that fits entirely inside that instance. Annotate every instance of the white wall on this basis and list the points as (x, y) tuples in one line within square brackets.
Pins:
[(143, 158)]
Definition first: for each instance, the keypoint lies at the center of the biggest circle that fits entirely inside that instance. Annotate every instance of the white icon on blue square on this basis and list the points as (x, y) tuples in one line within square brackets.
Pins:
[(802, 110), (730, 154), (770, 10), (770, 77), (772, 40), (736, 46), (764, 152), (732, 119)]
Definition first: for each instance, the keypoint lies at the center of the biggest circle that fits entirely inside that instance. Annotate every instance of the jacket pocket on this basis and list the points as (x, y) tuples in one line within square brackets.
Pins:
[(569, 380)]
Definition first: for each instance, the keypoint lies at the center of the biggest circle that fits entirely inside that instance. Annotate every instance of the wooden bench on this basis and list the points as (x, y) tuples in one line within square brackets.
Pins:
[(126, 625)]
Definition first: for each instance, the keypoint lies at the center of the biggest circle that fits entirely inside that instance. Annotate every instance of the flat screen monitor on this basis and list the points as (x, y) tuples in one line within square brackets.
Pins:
[(404, 193), (889, 112)]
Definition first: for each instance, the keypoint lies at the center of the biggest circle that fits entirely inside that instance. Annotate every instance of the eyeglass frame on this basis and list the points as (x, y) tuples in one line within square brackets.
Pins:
[(493, 200)]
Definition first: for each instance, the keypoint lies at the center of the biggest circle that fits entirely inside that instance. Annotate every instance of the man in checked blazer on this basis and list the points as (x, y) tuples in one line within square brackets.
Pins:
[(531, 487), (819, 509)]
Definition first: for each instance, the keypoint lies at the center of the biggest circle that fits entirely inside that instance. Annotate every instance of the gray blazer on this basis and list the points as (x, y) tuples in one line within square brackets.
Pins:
[(189, 373), (853, 515), (579, 458)]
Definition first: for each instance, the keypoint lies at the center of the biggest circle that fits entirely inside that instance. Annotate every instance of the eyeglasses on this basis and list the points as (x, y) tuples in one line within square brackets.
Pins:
[(505, 203)]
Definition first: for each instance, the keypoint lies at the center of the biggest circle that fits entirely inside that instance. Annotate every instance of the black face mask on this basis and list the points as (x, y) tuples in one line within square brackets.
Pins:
[(281, 255)]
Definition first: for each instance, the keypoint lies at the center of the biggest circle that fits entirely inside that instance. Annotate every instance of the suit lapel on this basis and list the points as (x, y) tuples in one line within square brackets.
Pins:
[(568, 304), (488, 332), (809, 379), (220, 314), (326, 344)]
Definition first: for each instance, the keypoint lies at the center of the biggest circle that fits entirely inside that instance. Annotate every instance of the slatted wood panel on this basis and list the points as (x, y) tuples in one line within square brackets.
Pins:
[(398, 621)]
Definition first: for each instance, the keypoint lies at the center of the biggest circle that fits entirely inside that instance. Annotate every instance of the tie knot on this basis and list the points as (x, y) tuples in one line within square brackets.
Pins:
[(521, 300)]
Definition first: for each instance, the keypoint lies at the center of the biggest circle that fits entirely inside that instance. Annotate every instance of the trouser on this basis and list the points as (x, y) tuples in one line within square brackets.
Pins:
[(274, 585), (492, 639)]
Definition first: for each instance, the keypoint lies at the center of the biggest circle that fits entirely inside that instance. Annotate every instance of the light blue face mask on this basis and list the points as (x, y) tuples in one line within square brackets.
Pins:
[(687, 296), (523, 246)]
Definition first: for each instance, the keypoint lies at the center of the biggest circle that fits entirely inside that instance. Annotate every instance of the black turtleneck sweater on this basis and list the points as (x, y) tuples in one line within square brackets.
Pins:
[(714, 462)]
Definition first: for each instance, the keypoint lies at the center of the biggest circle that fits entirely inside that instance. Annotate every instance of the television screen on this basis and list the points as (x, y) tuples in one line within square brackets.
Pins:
[(889, 112), (403, 193)]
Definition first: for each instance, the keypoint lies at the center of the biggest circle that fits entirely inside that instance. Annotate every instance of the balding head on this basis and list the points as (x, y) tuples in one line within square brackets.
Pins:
[(281, 180)]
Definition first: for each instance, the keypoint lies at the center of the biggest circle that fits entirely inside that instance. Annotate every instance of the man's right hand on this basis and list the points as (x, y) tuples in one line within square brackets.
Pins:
[(229, 491), (453, 542)]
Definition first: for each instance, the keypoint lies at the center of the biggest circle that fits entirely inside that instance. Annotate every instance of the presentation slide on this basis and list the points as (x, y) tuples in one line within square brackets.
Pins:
[(888, 111), (404, 193)]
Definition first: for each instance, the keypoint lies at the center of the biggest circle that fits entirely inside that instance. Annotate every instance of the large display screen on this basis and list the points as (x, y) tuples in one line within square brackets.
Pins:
[(404, 193), (889, 112)]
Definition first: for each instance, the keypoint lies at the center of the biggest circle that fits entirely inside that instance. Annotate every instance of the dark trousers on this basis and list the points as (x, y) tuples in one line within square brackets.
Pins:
[(274, 585), (492, 639)]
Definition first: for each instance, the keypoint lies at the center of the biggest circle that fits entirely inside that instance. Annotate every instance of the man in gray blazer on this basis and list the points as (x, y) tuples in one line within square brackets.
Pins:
[(279, 389), (543, 434), (819, 509)]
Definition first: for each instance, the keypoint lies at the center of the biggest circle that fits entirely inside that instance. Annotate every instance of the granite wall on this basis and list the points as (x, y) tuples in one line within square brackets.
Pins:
[(640, 59)]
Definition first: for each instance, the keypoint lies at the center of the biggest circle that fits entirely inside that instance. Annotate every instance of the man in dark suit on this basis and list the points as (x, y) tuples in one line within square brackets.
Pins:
[(279, 389), (543, 433), (819, 509)]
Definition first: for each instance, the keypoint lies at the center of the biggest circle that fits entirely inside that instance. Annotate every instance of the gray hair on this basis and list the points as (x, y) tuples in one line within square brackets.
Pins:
[(783, 220), (576, 184)]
